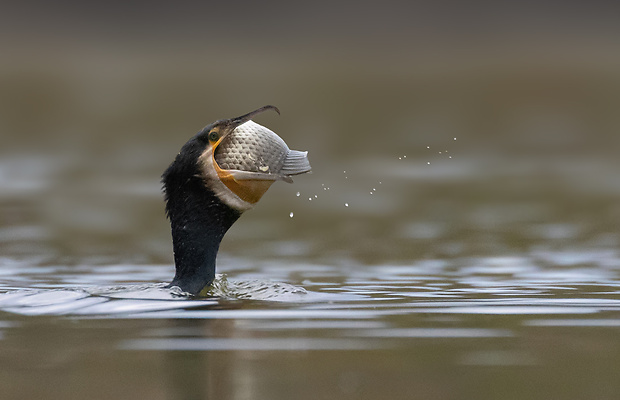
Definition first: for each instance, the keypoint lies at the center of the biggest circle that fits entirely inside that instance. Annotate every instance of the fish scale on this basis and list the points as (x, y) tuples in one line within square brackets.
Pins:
[(252, 147)]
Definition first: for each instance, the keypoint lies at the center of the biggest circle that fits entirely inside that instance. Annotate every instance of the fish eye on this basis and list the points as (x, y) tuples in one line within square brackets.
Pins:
[(213, 136)]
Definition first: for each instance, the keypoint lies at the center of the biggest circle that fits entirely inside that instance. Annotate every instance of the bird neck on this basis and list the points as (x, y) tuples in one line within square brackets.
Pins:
[(198, 220)]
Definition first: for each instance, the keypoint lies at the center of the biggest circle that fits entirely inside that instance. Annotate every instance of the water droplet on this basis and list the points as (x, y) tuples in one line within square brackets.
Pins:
[(428, 147), (400, 158), (291, 214), (346, 204), (449, 156), (404, 156), (428, 163), (316, 196), (309, 198), (298, 194), (373, 189), (454, 138)]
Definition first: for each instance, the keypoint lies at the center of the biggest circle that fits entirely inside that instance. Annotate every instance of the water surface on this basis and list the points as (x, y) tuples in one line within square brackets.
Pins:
[(458, 238), (485, 293)]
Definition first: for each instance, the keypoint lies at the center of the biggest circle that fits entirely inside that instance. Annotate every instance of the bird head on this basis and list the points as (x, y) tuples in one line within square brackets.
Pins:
[(238, 159)]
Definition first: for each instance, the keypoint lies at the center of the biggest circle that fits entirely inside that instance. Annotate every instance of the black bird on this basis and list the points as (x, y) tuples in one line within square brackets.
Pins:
[(219, 173)]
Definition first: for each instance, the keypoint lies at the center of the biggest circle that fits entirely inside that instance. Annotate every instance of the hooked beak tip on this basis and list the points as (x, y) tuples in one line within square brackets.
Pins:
[(246, 117)]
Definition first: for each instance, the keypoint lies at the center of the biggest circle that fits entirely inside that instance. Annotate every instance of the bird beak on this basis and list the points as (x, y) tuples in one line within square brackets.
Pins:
[(235, 122), (227, 126)]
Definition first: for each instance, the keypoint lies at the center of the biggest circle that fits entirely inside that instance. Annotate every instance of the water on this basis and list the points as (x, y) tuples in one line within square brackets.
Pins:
[(469, 322), (490, 294), (458, 238)]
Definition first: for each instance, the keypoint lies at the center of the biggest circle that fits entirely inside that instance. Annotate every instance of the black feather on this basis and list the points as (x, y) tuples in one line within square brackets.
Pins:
[(198, 218)]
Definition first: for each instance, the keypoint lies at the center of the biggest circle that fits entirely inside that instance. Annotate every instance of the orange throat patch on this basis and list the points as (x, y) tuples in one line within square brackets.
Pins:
[(248, 190)]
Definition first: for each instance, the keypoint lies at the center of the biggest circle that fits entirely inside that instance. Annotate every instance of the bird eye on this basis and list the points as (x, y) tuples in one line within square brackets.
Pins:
[(213, 136)]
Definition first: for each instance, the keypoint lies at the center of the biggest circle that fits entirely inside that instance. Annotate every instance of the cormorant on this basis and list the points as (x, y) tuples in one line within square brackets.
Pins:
[(219, 173)]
